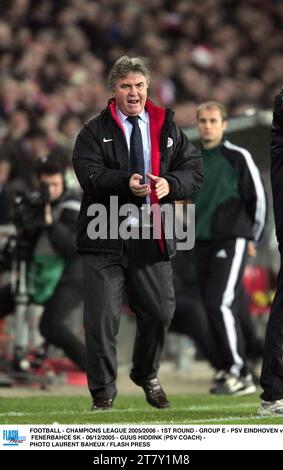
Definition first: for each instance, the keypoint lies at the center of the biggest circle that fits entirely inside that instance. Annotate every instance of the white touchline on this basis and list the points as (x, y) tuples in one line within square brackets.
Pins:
[(187, 408)]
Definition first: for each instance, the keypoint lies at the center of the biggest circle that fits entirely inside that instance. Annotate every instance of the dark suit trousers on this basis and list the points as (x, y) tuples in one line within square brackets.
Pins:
[(272, 367), (147, 277)]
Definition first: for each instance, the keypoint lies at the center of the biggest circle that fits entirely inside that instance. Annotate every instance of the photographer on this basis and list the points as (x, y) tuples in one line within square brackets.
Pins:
[(55, 267)]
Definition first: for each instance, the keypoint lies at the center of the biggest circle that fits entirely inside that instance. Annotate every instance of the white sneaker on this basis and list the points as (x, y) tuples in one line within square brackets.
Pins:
[(248, 385), (271, 408), (230, 384)]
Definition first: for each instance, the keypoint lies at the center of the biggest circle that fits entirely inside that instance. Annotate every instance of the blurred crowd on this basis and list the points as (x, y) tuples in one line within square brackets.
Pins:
[(55, 56)]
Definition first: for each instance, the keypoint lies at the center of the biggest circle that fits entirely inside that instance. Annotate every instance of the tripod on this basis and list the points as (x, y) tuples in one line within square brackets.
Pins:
[(26, 314), (21, 296)]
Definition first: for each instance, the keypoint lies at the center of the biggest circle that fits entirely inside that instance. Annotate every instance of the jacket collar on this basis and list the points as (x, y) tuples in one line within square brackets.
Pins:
[(156, 113)]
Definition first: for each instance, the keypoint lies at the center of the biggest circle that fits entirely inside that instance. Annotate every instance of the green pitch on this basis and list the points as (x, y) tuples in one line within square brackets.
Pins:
[(185, 409)]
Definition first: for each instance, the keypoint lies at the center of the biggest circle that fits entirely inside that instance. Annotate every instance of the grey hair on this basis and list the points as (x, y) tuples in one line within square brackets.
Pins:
[(126, 65)]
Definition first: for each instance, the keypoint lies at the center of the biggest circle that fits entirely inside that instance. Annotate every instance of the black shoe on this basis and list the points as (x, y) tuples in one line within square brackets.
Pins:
[(102, 404), (155, 394)]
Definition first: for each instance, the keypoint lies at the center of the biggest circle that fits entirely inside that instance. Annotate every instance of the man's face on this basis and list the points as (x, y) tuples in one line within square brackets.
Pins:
[(211, 127), (130, 93), (55, 183)]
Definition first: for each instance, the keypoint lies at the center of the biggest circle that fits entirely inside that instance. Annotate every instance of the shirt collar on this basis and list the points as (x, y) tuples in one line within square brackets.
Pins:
[(143, 115)]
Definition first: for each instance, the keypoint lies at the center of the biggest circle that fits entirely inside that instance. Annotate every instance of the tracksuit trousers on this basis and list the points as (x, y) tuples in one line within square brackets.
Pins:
[(220, 266)]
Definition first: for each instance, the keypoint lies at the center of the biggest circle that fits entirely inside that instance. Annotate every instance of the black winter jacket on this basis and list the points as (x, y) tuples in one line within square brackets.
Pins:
[(277, 166), (61, 234), (101, 163)]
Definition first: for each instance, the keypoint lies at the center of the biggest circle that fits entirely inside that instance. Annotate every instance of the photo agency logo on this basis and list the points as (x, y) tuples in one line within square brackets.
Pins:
[(11, 438), (145, 222)]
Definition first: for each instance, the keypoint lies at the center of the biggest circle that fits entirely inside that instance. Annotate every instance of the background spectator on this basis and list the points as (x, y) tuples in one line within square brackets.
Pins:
[(54, 56)]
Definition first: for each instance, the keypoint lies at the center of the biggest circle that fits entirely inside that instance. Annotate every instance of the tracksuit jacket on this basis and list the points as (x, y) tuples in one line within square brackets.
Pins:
[(232, 200)]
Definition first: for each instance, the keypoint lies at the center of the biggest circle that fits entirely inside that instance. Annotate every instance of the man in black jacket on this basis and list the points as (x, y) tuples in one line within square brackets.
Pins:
[(131, 153), (230, 213), (54, 264), (272, 367), (57, 240)]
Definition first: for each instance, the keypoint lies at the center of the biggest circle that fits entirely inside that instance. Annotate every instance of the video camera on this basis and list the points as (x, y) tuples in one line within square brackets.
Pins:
[(29, 210), (28, 217)]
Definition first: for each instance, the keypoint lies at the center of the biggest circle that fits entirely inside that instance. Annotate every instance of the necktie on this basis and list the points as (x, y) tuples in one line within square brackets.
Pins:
[(136, 148)]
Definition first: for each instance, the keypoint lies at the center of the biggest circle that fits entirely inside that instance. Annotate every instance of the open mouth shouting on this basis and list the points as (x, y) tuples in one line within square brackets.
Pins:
[(131, 93)]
